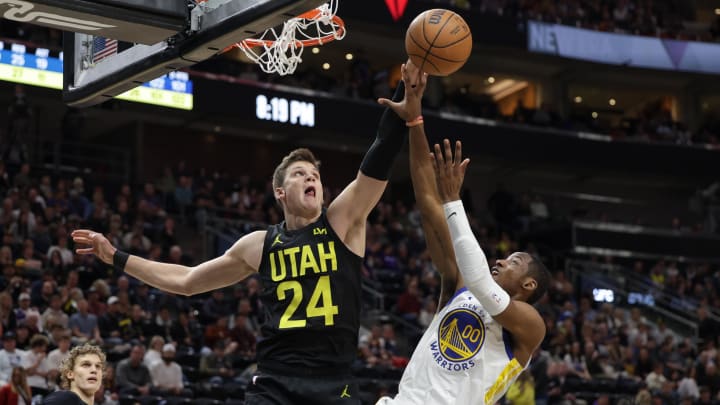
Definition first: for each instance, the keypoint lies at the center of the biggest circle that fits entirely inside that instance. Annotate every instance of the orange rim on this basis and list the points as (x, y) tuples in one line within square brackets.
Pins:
[(310, 15)]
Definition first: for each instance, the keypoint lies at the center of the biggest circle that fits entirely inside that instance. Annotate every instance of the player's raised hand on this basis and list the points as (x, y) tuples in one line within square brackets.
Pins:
[(99, 245), (415, 81), (449, 170)]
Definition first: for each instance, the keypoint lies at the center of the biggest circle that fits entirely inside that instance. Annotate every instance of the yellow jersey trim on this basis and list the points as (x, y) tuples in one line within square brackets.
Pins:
[(509, 373)]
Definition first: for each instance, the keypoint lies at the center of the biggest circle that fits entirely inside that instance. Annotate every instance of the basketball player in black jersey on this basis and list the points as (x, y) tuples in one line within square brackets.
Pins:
[(310, 268)]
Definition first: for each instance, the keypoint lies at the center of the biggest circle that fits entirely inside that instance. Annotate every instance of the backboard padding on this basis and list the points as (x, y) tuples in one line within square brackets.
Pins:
[(227, 24)]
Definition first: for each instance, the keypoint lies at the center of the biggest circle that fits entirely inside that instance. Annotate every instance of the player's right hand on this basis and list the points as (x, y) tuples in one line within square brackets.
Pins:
[(415, 81), (100, 246)]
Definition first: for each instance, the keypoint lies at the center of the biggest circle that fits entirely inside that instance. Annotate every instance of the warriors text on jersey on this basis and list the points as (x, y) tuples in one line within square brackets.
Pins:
[(464, 357), (311, 298)]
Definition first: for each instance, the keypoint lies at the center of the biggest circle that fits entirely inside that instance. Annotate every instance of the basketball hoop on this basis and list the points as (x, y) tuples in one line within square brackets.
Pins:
[(281, 52)]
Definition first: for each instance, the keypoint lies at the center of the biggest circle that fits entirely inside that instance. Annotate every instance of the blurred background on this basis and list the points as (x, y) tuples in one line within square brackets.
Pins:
[(593, 128)]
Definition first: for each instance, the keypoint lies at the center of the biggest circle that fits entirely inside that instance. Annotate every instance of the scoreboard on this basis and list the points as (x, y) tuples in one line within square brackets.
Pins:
[(43, 68)]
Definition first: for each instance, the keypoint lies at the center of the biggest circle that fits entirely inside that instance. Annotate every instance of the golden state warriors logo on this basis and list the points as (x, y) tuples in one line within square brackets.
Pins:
[(461, 334)]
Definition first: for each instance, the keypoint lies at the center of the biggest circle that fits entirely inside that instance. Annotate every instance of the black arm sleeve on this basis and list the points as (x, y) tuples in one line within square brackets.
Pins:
[(388, 143)]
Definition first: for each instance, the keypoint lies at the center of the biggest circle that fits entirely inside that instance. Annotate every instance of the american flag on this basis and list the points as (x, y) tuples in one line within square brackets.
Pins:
[(103, 47)]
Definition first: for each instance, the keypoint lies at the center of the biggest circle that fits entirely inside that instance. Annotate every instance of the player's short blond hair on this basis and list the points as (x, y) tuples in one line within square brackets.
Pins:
[(69, 363)]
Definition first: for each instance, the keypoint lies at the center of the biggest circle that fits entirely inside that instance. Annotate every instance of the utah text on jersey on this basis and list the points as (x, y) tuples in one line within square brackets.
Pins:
[(296, 261)]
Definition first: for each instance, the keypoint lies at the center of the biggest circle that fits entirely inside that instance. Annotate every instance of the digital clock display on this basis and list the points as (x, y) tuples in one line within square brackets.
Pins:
[(279, 109)]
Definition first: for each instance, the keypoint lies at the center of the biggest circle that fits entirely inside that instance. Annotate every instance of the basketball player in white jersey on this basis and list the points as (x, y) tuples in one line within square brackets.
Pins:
[(486, 329)]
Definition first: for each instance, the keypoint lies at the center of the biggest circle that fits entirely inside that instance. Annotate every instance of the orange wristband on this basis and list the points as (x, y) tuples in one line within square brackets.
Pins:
[(417, 121)]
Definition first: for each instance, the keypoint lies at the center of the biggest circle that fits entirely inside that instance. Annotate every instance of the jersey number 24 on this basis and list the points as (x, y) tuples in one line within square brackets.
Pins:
[(313, 309)]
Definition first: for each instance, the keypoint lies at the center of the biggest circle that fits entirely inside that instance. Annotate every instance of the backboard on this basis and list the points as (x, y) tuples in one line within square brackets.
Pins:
[(97, 67)]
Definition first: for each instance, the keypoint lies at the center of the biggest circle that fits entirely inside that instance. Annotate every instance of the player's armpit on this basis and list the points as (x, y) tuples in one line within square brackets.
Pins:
[(348, 213), (526, 326)]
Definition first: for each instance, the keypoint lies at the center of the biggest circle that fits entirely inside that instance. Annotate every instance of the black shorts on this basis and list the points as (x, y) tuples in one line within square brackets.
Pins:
[(274, 389)]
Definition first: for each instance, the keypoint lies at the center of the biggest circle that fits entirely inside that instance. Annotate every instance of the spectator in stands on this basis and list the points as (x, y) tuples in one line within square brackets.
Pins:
[(108, 384), (114, 325), (61, 241), (709, 377), (55, 359), (7, 314), (154, 352), (167, 375), (216, 365), (36, 365), (41, 300), (23, 309), (95, 305), (558, 378), (142, 298), (132, 376), (244, 337), (253, 295), (707, 328), (576, 362), (10, 357), (142, 243), (54, 315), (84, 325), (23, 179), (163, 322), (122, 285), (140, 326), (176, 256), (409, 303), (167, 235), (186, 333), (22, 339), (16, 391), (705, 397), (245, 309), (687, 386), (184, 195), (372, 348), (219, 332), (427, 313), (215, 307), (656, 379)]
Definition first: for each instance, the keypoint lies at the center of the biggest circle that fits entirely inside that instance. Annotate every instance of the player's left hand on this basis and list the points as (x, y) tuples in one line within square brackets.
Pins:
[(415, 81), (449, 170)]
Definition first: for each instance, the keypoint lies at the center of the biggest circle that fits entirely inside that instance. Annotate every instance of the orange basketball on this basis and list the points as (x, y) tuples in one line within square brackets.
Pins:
[(438, 41)]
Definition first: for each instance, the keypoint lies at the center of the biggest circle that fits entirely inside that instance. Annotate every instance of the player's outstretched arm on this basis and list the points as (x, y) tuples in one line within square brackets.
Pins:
[(432, 216), (348, 212), (424, 184), (520, 318), (238, 262)]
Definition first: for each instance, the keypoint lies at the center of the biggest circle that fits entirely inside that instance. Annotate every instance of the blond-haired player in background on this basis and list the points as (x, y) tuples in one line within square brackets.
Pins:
[(81, 377)]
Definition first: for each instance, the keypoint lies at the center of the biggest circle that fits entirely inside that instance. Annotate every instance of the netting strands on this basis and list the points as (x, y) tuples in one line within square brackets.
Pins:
[(281, 52)]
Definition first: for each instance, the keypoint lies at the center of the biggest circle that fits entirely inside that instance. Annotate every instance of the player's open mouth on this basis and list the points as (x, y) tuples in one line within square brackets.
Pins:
[(494, 271), (310, 191), (92, 380)]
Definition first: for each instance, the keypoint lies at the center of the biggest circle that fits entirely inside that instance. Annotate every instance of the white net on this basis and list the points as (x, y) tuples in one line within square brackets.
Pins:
[(281, 52)]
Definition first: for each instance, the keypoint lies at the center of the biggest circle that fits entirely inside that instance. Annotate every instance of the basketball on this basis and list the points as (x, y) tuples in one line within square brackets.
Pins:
[(438, 41)]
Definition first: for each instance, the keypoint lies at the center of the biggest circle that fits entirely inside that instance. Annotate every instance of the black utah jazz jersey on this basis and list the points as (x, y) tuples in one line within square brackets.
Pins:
[(311, 297)]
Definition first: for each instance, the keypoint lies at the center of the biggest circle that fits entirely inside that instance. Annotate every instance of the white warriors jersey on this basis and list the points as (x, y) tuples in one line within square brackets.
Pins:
[(464, 357)]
